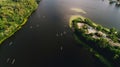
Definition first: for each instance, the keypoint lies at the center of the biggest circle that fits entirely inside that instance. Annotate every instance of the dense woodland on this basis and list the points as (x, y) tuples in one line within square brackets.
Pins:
[(13, 14)]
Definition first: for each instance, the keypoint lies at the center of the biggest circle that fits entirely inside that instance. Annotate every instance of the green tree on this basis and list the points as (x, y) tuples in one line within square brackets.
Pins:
[(113, 30), (99, 27), (103, 42)]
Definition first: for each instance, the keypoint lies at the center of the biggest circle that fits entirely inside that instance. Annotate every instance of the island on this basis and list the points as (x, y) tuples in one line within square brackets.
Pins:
[(103, 42), (13, 15)]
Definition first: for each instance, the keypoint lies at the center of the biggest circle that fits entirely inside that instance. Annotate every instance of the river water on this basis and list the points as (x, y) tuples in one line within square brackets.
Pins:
[(47, 41)]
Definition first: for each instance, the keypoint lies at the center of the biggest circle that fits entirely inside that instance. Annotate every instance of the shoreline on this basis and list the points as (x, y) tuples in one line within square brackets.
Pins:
[(99, 55), (93, 52), (19, 26)]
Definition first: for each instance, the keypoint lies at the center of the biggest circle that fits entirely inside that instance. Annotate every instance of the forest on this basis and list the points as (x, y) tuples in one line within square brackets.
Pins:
[(14, 14)]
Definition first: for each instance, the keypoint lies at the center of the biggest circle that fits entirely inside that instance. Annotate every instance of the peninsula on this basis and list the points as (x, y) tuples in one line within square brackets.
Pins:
[(101, 40)]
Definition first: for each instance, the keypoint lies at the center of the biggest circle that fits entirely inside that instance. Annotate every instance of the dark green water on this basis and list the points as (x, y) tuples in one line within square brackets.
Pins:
[(46, 39)]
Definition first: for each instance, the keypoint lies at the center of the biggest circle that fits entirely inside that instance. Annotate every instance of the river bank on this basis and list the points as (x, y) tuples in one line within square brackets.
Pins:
[(97, 39), (12, 23)]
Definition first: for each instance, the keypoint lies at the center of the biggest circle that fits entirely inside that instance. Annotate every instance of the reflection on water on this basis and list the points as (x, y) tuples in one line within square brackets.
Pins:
[(78, 10), (99, 11), (47, 32)]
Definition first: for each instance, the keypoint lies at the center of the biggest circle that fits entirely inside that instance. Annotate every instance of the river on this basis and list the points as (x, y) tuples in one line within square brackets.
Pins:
[(46, 39)]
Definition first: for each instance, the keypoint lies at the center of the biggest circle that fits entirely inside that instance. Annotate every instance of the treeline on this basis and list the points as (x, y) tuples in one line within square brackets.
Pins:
[(12, 15)]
